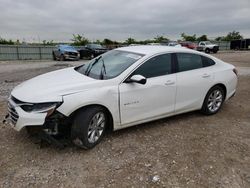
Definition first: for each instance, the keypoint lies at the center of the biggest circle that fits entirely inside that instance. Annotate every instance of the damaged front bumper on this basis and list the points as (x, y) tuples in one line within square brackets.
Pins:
[(46, 128), (17, 118), (52, 125)]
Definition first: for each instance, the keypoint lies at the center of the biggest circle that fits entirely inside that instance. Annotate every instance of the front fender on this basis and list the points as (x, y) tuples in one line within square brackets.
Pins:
[(105, 96)]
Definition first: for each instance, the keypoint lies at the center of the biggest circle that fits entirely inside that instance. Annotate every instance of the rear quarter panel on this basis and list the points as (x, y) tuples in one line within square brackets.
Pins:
[(223, 73)]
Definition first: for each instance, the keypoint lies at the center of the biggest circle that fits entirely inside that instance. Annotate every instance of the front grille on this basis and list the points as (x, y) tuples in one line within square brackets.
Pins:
[(12, 113), (72, 53)]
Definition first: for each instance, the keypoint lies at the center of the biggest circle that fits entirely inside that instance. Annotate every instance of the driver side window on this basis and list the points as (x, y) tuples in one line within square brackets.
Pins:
[(157, 66)]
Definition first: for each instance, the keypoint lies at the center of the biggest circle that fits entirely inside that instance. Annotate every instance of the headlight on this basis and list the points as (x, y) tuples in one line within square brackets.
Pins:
[(41, 107)]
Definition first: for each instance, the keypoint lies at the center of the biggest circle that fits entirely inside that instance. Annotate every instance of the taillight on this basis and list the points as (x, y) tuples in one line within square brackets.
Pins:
[(235, 71)]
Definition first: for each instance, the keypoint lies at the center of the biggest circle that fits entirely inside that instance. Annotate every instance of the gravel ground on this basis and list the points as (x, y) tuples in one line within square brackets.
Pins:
[(189, 150)]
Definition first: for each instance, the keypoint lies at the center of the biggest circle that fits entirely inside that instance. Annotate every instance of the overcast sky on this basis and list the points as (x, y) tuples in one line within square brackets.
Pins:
[(57, 20)]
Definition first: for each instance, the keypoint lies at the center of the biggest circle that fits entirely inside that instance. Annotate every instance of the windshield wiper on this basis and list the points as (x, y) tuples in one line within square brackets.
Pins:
[(103, 69), (90, 66)]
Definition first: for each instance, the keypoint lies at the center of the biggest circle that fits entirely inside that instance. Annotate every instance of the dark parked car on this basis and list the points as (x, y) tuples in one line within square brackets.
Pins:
[(189, 45), (92, 50), (65, 52)]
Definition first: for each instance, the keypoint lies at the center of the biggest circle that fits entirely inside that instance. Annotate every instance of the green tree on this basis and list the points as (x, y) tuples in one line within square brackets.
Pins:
[(130, 41), (17, 42), (219, 38), (234, 35), (4, 41), (98, 41), (79, 40), (202, 38), (107, 42), (188, 37), (48, 42), (159, 39)]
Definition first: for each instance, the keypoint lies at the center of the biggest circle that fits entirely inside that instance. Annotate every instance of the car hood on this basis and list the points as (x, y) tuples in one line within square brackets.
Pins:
[(211, 45), (52, 86), (75, 51)]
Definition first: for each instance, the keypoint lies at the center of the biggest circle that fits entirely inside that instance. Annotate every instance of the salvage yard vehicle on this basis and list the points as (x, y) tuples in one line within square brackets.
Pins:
[(188, 44), (121, 88), (91, 51), (173, 43), (65, 52), (207, 47)]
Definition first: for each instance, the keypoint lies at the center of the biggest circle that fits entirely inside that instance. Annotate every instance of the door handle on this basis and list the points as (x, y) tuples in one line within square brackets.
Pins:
[(206, 75), (169, 82)]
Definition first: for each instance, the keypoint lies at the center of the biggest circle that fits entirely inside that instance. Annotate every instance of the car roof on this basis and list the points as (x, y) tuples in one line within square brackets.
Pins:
[(151, 49)]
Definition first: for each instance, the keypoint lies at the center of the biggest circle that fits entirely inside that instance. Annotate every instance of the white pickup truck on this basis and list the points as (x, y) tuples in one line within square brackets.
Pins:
[(207, 47)]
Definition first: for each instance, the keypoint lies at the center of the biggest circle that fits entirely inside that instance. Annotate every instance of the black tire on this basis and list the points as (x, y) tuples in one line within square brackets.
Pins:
[(62, 58), (54, 56), (92, 56), (215, 50), (81, 129), (206, 107), (207, 50)]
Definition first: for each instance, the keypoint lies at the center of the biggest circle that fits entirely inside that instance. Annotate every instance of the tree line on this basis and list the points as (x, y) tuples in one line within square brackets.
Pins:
[(81, 40)]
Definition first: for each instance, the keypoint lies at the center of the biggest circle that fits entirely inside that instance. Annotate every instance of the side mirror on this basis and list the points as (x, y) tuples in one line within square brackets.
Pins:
[(137, 79)]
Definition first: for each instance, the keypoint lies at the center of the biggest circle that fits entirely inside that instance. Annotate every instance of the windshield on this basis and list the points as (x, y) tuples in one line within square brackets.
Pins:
[(97, 46), (109, 65), (68, 48)]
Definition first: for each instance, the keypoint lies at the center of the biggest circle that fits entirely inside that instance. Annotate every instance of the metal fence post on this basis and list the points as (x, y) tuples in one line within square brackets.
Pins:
[(40, 52), (17, 51)]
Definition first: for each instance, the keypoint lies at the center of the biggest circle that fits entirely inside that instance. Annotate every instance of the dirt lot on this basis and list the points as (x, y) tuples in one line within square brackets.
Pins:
[(189, 150)]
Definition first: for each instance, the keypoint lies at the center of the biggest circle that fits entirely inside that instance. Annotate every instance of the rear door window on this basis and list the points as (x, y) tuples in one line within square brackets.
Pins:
[(188, 61), (207, 61)]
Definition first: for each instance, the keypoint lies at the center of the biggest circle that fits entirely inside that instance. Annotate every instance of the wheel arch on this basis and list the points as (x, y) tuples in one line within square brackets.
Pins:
[(220, 85), (223, 87), (110, 126)]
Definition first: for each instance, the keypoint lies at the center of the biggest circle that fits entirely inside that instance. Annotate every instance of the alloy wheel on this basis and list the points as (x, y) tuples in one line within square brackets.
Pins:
[(96, 127), (215, 100)]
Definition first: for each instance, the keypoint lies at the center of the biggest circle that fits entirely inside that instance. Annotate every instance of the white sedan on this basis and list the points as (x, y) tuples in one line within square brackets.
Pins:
[(121, 88)]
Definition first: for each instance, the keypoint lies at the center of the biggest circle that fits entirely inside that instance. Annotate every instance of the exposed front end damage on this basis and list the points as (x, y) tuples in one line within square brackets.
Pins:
[(48, 125)]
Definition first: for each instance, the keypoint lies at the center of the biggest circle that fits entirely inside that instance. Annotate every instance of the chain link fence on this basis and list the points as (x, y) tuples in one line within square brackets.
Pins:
[(20, 52), (26, 52)]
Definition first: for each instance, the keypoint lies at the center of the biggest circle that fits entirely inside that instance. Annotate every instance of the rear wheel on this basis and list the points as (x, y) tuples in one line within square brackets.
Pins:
[(215, 50), (213, 101), (89, 127)]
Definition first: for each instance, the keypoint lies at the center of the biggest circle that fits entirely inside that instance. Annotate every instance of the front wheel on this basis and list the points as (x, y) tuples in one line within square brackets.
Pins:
[(62, 58), (89, 127), (207, 50), (54, 56), (213, 100), (92, 56)]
